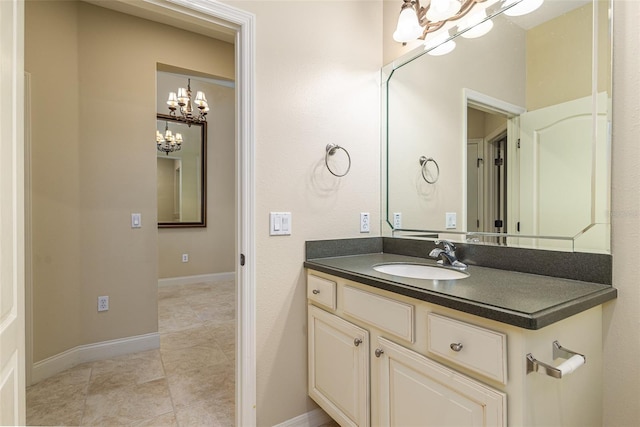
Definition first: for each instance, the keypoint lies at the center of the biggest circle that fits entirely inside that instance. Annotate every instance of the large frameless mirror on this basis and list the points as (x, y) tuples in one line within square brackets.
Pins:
[(505, 139), (181, 159)]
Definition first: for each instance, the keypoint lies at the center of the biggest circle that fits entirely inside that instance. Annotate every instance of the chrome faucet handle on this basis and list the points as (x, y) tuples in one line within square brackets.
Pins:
[(448, 246)]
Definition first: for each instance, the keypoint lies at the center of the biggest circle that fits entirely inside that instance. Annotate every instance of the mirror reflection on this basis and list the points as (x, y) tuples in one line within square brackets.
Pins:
[(517, 122), (181, 173)]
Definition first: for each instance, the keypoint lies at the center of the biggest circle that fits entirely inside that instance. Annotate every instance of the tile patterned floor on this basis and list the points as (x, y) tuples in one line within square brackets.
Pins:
[(189, 381)]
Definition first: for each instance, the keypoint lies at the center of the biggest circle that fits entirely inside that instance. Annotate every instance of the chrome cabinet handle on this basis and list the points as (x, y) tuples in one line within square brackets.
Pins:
[(357, 341), (379, 352), (456, 346), (315, 291)]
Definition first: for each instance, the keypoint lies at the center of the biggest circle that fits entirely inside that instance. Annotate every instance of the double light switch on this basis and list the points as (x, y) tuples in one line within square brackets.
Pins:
[(280, 223)]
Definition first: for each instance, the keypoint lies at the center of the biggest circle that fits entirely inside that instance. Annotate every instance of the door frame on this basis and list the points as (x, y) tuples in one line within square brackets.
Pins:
[(490, 104), (241, 25)]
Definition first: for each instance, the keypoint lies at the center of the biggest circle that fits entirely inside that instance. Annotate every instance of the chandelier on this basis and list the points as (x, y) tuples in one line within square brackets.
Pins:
[(168, 143), (181, 103), (416, 22)]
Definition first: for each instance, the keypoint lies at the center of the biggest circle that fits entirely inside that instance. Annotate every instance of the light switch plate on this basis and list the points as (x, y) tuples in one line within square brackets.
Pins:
[(280, 223), (136, 220)]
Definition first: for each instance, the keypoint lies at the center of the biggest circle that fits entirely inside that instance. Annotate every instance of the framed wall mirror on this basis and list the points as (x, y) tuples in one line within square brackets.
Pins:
[(517, 122), (182, 174)]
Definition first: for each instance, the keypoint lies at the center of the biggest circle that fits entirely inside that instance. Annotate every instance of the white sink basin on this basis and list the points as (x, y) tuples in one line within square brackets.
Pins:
[(418, 271)]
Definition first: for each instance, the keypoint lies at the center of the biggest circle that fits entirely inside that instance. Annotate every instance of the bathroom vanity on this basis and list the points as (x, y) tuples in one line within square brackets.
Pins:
[(483, 350)]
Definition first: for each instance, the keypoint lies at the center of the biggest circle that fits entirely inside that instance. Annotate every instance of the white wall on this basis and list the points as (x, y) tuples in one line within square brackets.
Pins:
[(317, 82), (622, 317)]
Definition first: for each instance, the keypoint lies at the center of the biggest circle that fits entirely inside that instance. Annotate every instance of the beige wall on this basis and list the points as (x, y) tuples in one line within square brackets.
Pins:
[(210, 249), (622, 317), (93, 75), (565, 42), (55, 192)]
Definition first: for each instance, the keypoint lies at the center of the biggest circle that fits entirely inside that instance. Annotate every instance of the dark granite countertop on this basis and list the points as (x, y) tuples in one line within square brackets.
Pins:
[(521, 299)]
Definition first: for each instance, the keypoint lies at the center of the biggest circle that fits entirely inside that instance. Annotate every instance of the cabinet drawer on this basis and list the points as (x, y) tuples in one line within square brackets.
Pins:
[(473, 347), (322, 291), (389, 315)]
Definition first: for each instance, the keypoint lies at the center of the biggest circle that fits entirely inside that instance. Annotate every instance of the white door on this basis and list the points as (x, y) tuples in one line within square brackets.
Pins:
[(563, 173), (339, 367), (416, 391), (12, 340)]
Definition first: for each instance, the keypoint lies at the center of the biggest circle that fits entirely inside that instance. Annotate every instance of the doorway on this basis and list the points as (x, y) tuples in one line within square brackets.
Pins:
[(491, 136), (230, 21)]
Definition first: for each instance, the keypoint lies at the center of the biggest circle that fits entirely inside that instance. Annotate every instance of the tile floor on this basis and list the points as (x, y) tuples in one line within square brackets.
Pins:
[(190, 380)]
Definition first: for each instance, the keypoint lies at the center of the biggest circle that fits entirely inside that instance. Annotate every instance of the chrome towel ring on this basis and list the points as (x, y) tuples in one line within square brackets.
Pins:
[(424, 161), (331, 149)]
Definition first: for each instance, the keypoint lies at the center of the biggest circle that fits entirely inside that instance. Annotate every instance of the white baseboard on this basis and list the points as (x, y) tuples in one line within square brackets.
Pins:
[(91, 352), (314, 418), (188, 280)]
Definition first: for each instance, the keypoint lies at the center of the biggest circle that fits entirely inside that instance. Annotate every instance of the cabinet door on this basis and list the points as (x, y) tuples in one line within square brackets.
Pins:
[(339, 367), (416, 391)]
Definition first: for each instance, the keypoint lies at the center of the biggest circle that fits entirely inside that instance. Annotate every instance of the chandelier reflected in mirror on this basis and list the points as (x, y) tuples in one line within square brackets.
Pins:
[(181, 105), (168, 143)]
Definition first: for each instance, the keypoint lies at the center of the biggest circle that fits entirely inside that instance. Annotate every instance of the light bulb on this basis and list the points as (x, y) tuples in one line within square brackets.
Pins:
[(522, 8), (183, 97), (408, 28), (179, 138), (173, 99), (201, 99), (441, 10), (477, 28)]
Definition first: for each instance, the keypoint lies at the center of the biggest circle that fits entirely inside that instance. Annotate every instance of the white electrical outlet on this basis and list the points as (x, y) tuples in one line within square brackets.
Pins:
[(185, 257), (397, 220), (103, 303), (364, 222), (450, 220)]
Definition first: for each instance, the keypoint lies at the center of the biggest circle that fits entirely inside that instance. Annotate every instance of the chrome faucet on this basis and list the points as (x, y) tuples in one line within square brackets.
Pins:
[(447, 255)]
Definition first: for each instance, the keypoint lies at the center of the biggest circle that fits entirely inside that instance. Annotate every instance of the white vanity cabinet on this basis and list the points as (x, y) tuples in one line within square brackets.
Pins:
[(377, 358), (339, 367)]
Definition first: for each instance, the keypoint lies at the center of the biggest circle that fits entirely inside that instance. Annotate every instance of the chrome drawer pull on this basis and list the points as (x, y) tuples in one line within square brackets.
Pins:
[(456, 346), (357, 341), (315, 291), (379, 352)]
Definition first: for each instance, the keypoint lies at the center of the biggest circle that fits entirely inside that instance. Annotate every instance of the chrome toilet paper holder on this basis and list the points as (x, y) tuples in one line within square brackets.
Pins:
[(572, 363)]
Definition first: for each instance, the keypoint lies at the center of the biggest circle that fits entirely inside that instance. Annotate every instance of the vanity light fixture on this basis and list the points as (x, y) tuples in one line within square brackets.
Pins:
[(168, 143), (430, 18), (182, 102), (416, 22)]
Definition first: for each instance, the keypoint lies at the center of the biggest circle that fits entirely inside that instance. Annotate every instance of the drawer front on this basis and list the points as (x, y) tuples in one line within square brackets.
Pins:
[(473, 347), (322, 291), (389, 315)]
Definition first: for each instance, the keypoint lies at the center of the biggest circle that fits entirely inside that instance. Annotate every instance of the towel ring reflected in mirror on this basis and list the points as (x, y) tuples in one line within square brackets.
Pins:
[(424, 162), (331, 149)]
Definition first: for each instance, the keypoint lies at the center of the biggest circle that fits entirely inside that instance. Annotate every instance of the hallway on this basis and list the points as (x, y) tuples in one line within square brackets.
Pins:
[(190, 380)]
